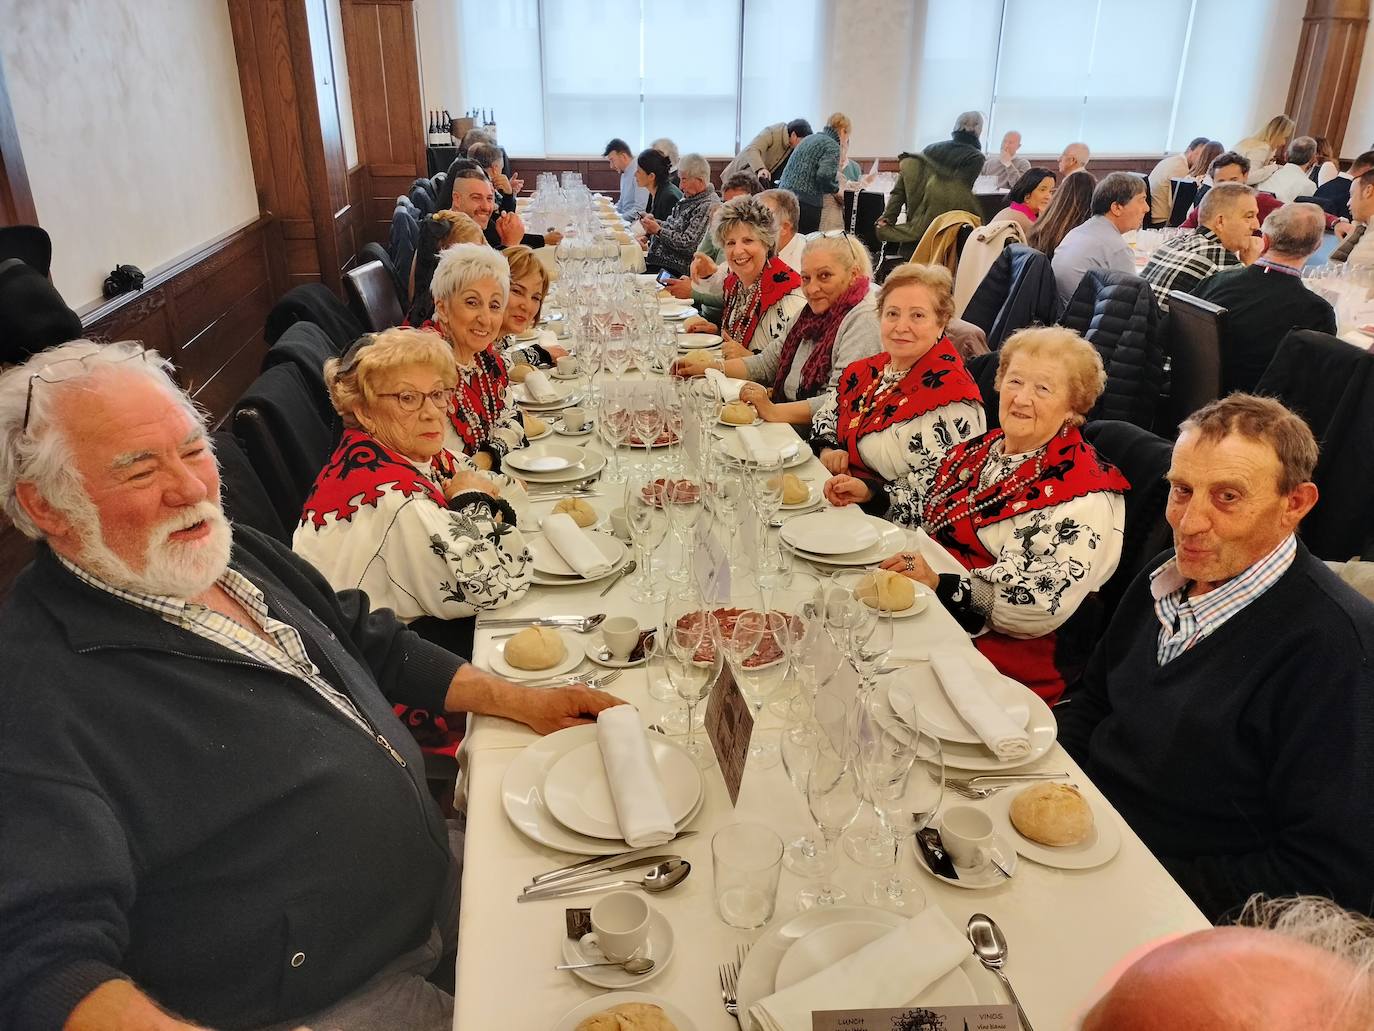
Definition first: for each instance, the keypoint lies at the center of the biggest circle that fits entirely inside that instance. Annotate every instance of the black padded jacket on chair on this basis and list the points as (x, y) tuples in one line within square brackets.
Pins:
[(245, 498), (1018, 291), (1117, 313), (307, 347), (283, 437), (376, 252), (1330, 383), (405, 238), (314, 303)]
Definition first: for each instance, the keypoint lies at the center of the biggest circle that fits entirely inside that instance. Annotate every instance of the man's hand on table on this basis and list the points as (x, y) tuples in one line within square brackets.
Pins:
[(543, 710)]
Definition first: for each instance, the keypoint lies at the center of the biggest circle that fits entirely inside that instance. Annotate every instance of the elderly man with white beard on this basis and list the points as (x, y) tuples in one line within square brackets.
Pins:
[(207, 807)]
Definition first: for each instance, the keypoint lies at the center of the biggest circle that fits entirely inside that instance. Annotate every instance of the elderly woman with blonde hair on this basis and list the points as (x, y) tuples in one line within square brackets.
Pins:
[(438, 232), (521, 340), (396, 514), (1030, 511)]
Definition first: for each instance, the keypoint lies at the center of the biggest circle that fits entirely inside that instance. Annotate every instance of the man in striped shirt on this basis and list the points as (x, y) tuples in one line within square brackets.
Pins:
[(1225, 239)]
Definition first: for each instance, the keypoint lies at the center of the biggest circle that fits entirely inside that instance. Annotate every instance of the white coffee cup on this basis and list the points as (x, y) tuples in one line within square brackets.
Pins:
[(620, 925), (967, 835), (621, 634), (574, 419), (567, 365)]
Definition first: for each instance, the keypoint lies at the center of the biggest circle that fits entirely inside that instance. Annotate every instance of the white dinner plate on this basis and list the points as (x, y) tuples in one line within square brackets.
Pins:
[(891, 541), (830, 533), (522, 796), (699, 341), (528, 336), (984, 875), (920, 690), (1101, 846), (550, 458), (579, 795), (523, 396), (827, 935), (675, 312), (551, 564), (1042, 729), (577, 1014), (793, 453), (592, 463), (658, 948), (496, 660), (758, 421)]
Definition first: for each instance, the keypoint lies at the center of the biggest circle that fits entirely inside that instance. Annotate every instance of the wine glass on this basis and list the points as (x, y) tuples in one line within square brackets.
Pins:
[(884, 749), (693, 672), (799, 743), (869, 628), (684, 504), (833, 796), (648, 524), (615, 421), (906, 805), (792, 593), (756, 659), (648, 423), (684, 607)]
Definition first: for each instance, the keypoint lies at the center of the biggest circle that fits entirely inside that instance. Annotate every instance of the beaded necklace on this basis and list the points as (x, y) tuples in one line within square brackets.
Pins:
[(740, 313), (475, 403), (980, 496)]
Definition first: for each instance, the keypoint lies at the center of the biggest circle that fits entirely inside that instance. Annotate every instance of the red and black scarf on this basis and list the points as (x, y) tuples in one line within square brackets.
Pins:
[(741, 318), (868, 405), (361, 471), (823, 329), (481, 393)]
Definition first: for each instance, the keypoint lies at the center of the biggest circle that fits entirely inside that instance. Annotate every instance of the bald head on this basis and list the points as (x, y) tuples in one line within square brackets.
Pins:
[(1233, 979)]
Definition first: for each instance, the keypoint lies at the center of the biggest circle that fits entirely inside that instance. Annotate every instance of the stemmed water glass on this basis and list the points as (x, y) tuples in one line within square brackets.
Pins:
[(833, 796), (693, 672), (682, 500), (803, 736), (906, 805), (615, 420), (648, 523), (648, 422), (684, 608), (884, 750), (756, 659), (869, 628)]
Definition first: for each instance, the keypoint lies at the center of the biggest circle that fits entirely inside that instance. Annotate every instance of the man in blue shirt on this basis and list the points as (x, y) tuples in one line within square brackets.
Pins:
[(633, 198)]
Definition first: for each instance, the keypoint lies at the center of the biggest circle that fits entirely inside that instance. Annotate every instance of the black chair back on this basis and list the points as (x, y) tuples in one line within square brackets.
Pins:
[(307, 348), (1184, 190), (314, 303), (245, 498), (1196, 328), (372, 294), (861, 212), (376, 252), (277, 424)]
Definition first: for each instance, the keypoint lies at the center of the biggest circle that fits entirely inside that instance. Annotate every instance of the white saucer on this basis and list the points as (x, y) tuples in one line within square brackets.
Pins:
[(736, 425), (577, 1014), (977, 878), (658, 948), (813, 498), (565, 375), (1101, 847), (601, 655), (586, 431), (578, 794), (915, 608), (496, 660)]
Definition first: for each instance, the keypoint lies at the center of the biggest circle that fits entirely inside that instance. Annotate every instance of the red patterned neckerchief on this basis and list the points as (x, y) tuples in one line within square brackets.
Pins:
[(479, 397), (823, 329), (867, 404), (956, 505), (744, 306), (361, 471)]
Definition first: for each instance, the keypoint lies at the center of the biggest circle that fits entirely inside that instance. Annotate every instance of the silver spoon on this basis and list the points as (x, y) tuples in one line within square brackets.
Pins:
[(656, 879), (990, 946), (638, 965), (628, 568)]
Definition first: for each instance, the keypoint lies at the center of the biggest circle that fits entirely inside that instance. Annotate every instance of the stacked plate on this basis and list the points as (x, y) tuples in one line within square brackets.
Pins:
[(842, 538), (565, 398), (698, 341), (793, 453), (556, 792), (550, 570), (554, 463)]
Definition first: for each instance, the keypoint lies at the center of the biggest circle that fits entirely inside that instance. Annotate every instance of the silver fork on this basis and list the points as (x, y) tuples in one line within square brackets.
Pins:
[(597, 680), (729, 982)]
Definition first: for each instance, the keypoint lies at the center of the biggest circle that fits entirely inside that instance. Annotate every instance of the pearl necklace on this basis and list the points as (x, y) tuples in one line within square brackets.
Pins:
[(473, 415), (738, 315), (967, 477)]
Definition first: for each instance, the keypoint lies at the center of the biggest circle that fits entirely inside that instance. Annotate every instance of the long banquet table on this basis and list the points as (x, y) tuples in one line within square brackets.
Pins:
[(1066, 929)]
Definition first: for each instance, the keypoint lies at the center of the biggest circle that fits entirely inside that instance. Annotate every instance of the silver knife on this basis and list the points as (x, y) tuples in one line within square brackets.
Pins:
[(597, 862), (597, 871), (1008, 777), (488, 624)]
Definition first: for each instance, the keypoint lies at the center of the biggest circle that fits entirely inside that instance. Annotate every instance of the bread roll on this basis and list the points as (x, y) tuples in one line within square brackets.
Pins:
[(887, 591), (629, 1016), (519, 372), (738, 413), (794, 489), (534, 426), (535, 648), (1052, 814), (582, 513)]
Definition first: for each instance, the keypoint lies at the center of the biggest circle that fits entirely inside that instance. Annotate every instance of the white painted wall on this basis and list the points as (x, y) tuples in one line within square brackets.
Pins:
[(340, 62), (438, 23), (1359, 131), (132, 129)]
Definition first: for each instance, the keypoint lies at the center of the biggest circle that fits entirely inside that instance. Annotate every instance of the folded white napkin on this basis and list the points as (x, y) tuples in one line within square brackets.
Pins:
[(885, 973), (754, 447), (573, 545), (726, 387), (641, 807), (539, 387), (973, 704)]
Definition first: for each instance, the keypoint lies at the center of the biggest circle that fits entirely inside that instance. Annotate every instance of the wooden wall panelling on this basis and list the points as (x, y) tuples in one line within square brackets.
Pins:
[(1327, 68), (16, 199)]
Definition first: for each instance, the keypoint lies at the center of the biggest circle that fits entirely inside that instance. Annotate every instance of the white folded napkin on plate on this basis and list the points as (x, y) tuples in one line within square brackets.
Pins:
[(573, 545), (975, 707), (885, 973), (753, 445), (641, 807), (726, 387), (539, 387)]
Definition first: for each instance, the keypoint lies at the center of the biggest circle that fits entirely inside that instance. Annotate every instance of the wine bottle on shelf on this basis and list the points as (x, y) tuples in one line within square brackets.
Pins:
[(446, 128)]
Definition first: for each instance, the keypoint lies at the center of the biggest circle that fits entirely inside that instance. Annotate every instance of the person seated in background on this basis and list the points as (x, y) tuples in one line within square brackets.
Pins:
[(1358, 244), (786, 215), (1301, 962), (489, 159), (1226, 239), (766, 154), (891, 419), (1334, 194), (705, 291), (760, 292), (813, 170), (1074, 158), (1005, 165), (1033, 513), (1229, 167), (1028, 198), (651, 174), (668, 149), (1068, 209), (672, 242), (529, 285), (1203, 158), (1162, 176), (1324, 168), (475, 197), (791, 378), (1268, 298), (633, 199), (1228, 712), (1119, 204), (395, 513), (1291, 181), (937, 180), (157, 657), (1265, 148), (438, 231)]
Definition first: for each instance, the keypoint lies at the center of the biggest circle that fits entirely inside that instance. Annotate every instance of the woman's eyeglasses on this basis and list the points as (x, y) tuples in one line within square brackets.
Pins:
[(413, 400)]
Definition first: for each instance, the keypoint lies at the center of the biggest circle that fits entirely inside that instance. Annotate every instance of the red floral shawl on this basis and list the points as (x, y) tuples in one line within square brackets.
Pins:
[(776, 281), (865, 405), (361, 471), (823, 329), (483, 394)]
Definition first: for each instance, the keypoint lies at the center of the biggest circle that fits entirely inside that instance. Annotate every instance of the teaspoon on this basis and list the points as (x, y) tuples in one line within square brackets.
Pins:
[(656, 879), (990, 946), (638, 965)]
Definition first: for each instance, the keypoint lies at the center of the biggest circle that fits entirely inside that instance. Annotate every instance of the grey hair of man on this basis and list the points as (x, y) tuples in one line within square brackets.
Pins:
[(970, 121), (1322, 923), (1294, 230), (1116, 188), (694, 166), (1222, 199), (784, 206), (1302, 150), (848, 251), (750, 212), (464, 264), (41, 455)]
